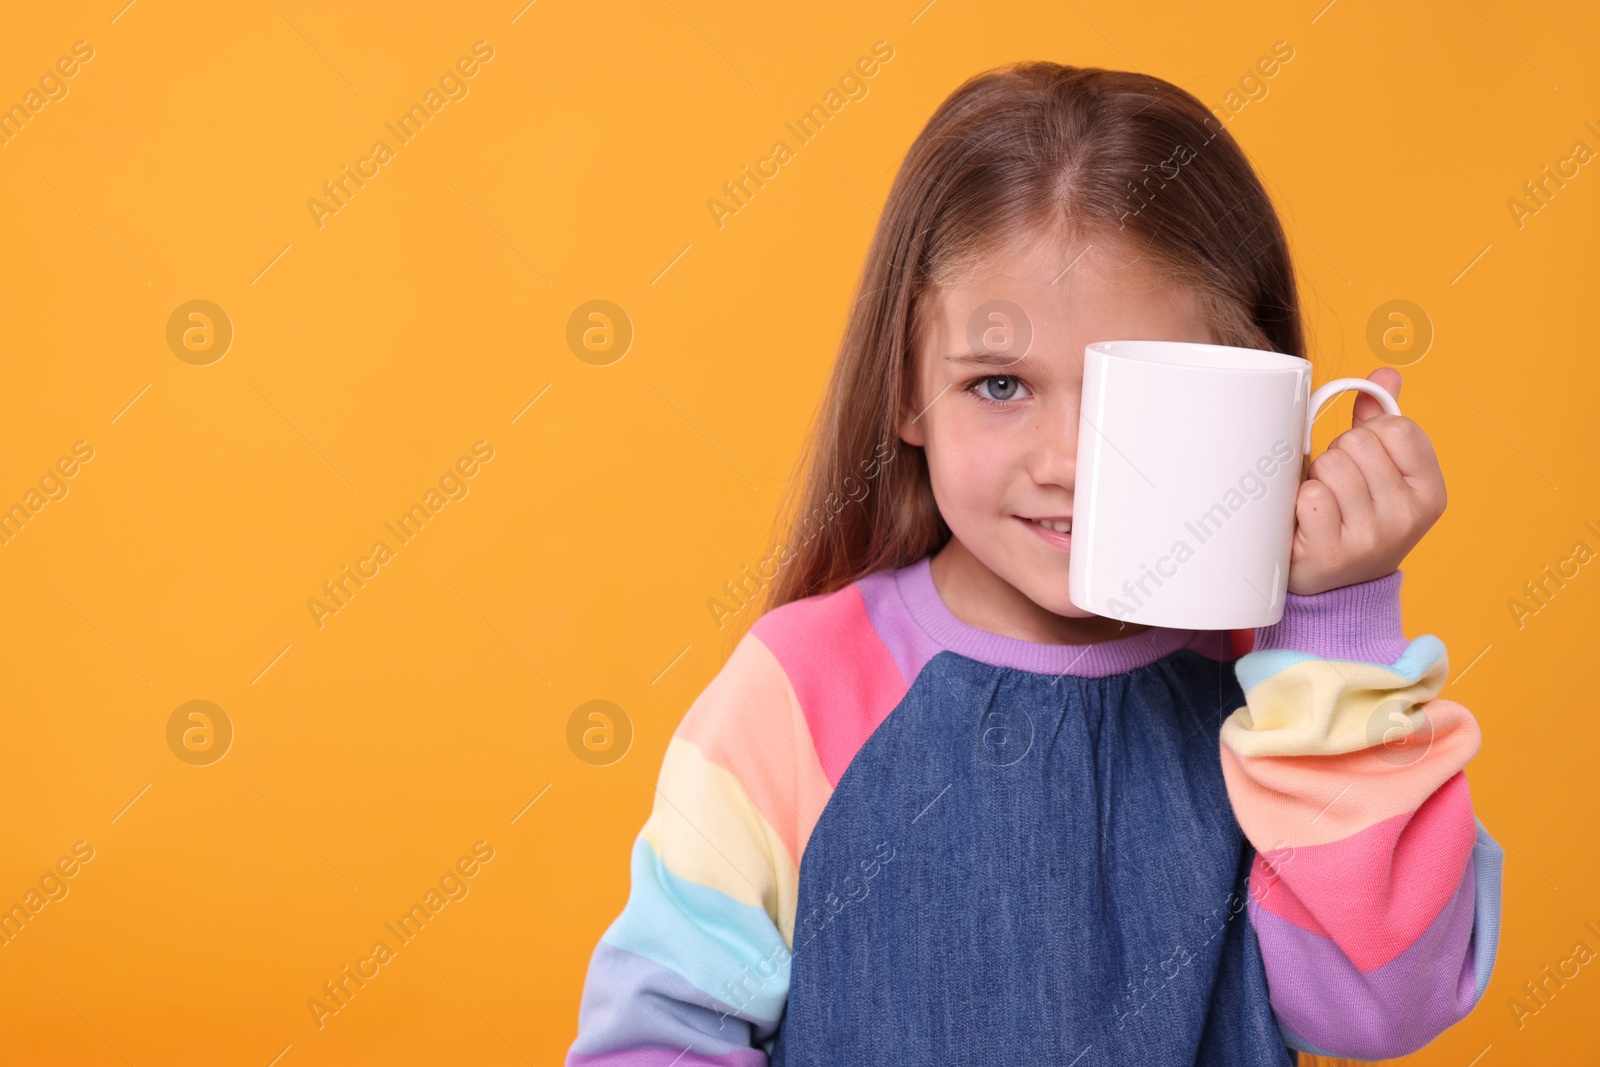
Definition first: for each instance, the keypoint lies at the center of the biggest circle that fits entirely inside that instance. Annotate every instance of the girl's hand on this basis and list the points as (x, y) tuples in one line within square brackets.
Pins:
[(1367, 500)]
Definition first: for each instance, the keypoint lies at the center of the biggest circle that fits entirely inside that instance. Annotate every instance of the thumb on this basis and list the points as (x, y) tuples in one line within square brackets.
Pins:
[(1367, 406)]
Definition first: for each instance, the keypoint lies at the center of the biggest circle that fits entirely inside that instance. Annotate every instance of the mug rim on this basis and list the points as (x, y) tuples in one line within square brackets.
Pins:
[(1199, 355)]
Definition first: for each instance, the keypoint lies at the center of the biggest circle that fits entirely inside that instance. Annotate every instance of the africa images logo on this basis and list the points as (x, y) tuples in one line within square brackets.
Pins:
[(1204, 527)]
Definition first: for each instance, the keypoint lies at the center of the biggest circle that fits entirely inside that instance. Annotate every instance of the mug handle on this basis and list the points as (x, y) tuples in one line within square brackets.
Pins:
[(1328, 392)]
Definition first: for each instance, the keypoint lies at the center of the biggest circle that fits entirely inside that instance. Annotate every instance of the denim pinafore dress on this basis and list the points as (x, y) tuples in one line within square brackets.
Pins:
[(1032, 868)]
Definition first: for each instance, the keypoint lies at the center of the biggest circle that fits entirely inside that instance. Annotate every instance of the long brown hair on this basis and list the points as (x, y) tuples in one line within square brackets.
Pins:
[(1078, 151)]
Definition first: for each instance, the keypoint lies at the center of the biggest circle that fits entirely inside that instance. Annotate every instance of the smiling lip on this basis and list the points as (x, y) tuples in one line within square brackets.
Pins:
[(1059, 539)]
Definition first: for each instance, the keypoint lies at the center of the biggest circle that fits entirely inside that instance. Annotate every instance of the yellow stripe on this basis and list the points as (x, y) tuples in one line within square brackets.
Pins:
[(1294, 803), (1325, 707), (706, 830)]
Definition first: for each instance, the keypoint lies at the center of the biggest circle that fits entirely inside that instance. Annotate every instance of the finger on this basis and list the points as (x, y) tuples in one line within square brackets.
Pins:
[(1337, 470), (1316, 516), (1367, 407), (1410, 450), (1369, 449)]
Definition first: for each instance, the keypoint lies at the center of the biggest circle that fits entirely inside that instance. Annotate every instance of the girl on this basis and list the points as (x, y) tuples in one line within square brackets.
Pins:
[(931, 812)]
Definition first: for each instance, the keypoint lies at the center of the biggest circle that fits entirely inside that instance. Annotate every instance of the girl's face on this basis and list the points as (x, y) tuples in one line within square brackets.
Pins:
[(999, 374)]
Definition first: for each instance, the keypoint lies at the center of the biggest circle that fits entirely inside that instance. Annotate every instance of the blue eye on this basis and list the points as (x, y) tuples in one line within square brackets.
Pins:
[(1005, 388)]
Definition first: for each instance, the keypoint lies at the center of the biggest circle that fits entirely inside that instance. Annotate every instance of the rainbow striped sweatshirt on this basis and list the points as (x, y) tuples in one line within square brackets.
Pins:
[(882, 835)]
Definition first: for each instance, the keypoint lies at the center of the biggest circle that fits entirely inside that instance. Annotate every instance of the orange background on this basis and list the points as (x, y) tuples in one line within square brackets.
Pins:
[(369, 354)]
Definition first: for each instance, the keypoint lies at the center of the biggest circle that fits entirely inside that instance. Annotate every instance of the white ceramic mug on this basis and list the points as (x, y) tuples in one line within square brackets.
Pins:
[(1189, 460)]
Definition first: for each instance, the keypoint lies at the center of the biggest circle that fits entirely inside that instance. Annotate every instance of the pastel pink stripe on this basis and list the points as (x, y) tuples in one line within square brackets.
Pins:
[(747, 721), (1373, 894), (845, 679), (1307, 799)]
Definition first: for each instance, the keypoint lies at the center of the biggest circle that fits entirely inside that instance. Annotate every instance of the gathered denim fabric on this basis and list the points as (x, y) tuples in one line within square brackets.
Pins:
[(1023, 868)]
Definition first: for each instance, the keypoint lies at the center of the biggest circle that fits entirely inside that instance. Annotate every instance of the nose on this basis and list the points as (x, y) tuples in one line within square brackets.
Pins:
[(1053, 455)]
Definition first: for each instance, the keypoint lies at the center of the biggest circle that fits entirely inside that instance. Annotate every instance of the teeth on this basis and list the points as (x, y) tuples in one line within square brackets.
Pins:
[(1060, 527)]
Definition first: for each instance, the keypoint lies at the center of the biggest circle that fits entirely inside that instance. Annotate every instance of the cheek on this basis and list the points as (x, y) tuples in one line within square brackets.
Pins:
[(968, 468)]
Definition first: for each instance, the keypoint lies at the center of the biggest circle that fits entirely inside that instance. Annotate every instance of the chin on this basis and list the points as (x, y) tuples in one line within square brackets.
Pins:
[(1060, 605), (1053, 598)]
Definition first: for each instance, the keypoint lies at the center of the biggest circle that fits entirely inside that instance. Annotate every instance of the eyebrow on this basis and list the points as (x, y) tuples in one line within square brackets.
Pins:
[(987, 359)]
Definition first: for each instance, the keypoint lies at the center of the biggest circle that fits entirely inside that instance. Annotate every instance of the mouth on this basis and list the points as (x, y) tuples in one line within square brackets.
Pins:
[(1054, 530)]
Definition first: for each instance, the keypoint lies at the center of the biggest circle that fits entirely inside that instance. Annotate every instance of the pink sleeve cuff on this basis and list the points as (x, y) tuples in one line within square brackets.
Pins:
[(1354, 622)]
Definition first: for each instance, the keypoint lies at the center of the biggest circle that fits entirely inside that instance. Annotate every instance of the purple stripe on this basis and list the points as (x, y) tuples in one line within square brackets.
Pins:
[(908, 644), (1354, 622), (630, 1003), (1387, 1012), (914, 623)]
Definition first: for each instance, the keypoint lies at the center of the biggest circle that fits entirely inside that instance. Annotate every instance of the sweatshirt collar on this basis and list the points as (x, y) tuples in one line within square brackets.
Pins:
[(928, 609)]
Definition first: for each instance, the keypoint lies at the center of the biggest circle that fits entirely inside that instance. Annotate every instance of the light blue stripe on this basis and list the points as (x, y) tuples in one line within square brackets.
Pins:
[(1253, 668), (1488, 863), (704, 935), (1295, 1041)]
